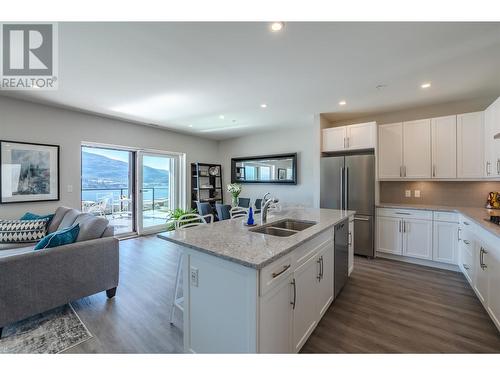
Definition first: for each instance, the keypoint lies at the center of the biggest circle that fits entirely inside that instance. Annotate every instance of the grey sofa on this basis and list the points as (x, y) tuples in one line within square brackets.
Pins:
[(32, 282)]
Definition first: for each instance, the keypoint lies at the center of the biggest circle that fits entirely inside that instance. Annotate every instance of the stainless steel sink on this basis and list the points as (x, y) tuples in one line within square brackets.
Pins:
[(296, 225), (284, 228)]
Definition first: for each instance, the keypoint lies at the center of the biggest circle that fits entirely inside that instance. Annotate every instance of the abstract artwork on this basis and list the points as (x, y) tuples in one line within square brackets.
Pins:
[(29, 172)]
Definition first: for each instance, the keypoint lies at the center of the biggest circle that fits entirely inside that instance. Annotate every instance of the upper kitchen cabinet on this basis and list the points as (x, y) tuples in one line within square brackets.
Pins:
[(491, 145), (444, 147), (405, 150), (417, 149), (390, 150), (470, 145), (352, 137)]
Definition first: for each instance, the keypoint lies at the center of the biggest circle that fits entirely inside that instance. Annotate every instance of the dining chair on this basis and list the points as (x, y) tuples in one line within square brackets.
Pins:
[(244, 202), (236, 212), (184, 222), (223, 211), (204, 208), (258, 203)]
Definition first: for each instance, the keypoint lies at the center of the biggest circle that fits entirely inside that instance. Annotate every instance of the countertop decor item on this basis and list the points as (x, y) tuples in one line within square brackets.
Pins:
[(214, 170), (250, 220), (493, 200), (235, 190), (29, 172)]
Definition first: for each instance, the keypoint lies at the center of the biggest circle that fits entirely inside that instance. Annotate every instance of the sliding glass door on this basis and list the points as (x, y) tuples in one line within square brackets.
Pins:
[(108, 186), (157, 190)]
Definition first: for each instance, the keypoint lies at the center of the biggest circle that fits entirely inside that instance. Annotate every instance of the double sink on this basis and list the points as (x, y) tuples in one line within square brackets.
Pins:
[(284, 227)]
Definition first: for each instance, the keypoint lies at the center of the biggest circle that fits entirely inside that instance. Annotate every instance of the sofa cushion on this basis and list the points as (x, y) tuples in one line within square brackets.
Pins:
[(18, 251), (22, 230), (59, 238), (56, 220), (69, 218), (10, 246), (91, 227), (32, 216)]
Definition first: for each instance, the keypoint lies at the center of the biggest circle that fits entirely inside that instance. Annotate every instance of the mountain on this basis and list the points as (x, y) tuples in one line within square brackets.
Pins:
[(102, 172)]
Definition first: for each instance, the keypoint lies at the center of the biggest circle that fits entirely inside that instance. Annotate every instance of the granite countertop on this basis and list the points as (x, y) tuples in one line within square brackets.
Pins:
[(232, 240), (478, 215)]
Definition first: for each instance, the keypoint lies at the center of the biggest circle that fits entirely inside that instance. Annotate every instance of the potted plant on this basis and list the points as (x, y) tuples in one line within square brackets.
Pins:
[(174, 215), (235, 190)]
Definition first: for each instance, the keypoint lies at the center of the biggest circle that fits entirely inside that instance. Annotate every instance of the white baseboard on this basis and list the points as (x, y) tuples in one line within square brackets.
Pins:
[(422, 262)]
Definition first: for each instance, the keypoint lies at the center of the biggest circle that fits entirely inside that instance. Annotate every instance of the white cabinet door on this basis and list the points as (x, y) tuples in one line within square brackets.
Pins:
[(490, 168), (444, 147), (494, 284), (417, 149), (445, 242), (276, 316), (361, 136), (390, 150), (470, 145), (466, 260), (351, 247), (481, 280), (334, 139), (305, 309), (417, 238), (325, 278), (389, 235)]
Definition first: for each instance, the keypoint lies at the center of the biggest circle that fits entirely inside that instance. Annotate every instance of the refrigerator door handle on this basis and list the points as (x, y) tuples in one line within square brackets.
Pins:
[(341, 188), (346, 187)]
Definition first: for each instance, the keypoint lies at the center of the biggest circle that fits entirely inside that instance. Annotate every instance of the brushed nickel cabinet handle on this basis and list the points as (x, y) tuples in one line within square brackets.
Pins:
[(405, 170), (498, 166), (294, 294), (466, 223), (466, 266), (466, 242), (276, 274), (488, 164), (319, 273), (434, 171), (458, 233), (402, 213), (400, 171)]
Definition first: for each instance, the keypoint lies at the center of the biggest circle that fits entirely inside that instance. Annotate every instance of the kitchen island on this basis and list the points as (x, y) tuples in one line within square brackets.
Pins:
[(260, 289)]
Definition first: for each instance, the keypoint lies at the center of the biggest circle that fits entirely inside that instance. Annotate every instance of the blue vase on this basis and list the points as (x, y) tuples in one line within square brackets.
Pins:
[(250, 216)]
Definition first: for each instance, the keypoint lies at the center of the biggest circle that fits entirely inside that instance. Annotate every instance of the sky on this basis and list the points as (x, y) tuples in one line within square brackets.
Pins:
[(158, 162)]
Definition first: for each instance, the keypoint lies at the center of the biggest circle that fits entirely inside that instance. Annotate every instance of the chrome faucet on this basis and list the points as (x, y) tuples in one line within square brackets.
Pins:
[(265, 207)]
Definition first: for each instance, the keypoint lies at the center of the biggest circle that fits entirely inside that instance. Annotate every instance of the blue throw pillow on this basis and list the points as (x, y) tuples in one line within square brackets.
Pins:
[(61, 237), (32, 216)]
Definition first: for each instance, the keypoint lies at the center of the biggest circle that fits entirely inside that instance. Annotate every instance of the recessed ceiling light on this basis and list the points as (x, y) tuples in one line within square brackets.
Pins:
[(190, 126), (277, 26), (425, 85), (221, 117), (342, 102), (263, 105)]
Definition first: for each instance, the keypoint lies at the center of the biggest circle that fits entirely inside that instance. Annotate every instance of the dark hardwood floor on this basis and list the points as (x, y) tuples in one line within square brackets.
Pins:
[(386, 307), (394, 307)]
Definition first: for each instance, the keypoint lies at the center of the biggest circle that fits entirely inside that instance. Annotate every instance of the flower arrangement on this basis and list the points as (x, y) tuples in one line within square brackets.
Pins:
[(235, 190)]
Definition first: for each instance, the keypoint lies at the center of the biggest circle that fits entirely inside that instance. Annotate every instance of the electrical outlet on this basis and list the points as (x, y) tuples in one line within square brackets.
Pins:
[(408, 193), (417, 193), (193, 275)]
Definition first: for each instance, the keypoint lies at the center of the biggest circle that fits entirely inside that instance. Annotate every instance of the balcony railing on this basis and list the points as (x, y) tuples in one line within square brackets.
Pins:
[(118, 200)]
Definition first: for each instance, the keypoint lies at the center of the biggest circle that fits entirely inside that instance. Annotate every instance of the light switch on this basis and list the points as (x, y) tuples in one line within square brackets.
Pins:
[(408, 193), (417, 193), (193, 275), (70, 188)]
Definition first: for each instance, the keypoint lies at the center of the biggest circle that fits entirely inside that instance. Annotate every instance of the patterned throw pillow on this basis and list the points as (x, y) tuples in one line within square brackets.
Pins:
[(16, 231)]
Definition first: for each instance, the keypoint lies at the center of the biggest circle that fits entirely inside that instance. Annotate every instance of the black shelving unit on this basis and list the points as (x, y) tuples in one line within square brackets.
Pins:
[(204, 186)]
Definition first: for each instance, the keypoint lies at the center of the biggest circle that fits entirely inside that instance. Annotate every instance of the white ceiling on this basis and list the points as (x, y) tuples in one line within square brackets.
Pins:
[(180, 74)]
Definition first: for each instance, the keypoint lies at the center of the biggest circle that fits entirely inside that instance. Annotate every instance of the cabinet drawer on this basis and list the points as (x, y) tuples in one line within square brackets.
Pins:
[(274, 273), (302, 253), (446, 216), (405, 213)]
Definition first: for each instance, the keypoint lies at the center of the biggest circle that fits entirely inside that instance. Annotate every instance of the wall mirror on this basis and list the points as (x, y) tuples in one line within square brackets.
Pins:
[(268, 169)]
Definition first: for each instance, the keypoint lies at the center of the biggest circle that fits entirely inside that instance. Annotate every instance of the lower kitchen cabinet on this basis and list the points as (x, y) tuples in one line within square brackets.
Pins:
[(305, 310), (276, 312), (325, 277), (493, 265), (389, 238), (417, 238), (445, 242)]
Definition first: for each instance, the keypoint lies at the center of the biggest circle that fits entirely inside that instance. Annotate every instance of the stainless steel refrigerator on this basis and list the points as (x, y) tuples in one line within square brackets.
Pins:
[(348, 183)]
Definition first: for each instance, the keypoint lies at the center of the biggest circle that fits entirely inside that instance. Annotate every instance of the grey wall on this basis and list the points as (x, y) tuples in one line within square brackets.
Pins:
[(303, 140), (28, 122)]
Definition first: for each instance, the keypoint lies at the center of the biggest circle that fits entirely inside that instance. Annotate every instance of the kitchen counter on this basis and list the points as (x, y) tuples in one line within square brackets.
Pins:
[(478, 215), (233, 241)]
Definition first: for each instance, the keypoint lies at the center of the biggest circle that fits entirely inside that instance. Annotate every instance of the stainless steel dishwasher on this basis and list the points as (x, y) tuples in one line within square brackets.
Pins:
[(341, 255)]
